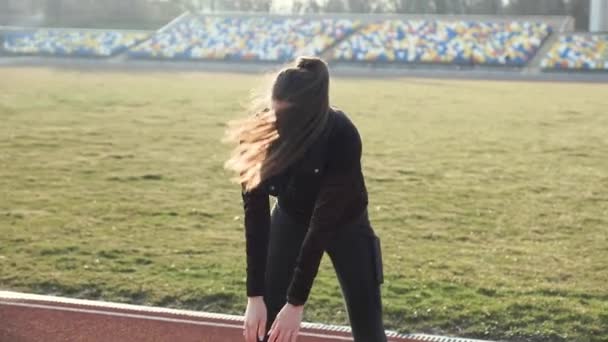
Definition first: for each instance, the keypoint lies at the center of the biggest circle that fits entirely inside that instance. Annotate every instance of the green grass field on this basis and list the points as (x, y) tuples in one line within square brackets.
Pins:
[(491, 198)]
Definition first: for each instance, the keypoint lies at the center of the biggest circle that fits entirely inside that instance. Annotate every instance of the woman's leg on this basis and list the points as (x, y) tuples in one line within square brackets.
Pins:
[(286, 237), (356, 257)]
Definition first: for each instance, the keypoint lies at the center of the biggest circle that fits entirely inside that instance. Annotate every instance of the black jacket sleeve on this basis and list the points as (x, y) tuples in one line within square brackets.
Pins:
[(257, 227), (335, 197)]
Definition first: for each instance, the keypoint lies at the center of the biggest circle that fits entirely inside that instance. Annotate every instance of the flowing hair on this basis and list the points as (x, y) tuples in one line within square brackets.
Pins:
[(270, 140)]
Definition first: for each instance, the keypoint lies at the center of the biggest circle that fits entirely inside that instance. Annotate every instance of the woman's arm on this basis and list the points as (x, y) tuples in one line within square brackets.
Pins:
[(340, 189), (257, 227)]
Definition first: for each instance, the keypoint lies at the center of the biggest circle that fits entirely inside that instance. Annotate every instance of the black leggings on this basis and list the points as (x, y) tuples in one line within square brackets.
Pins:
[(356, 257)]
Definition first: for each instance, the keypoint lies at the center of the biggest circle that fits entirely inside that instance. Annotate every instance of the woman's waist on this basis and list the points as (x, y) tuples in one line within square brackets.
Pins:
[(302, 212)]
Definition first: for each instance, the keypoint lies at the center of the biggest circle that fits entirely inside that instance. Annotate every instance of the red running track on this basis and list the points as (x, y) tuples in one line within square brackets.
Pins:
[(37, 318)]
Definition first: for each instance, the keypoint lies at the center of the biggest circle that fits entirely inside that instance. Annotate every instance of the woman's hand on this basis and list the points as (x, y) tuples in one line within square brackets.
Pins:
[(255, 319), (286, 326)]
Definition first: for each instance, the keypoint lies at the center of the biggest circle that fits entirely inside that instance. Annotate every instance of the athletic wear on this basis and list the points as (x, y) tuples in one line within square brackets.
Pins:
[(356, 257), (324, 191)]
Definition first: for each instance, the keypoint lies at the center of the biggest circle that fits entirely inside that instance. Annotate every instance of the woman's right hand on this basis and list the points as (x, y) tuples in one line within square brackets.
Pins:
[(255, 319)]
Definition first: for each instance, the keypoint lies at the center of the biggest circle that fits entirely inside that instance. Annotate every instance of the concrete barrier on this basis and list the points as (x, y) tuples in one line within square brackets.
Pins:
[(33, 318)]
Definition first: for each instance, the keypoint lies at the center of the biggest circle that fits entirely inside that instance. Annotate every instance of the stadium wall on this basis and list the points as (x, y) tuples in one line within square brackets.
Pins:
[(560, 23), (74, 13)]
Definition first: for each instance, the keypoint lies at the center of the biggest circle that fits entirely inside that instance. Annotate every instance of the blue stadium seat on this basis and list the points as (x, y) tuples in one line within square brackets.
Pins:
[(578, 52), (244, 38), (445, 42), (69, 43)]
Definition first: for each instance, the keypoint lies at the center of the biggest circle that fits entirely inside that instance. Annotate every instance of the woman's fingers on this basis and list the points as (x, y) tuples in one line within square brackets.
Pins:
[(294, 336), (286, 337), (250, 333), (261, 329), (274, 335), (272, 329), (274, 323), (255, 319), (281, 337)]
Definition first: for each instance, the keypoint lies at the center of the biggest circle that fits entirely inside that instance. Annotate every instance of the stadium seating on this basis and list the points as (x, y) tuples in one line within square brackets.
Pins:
[(434, 41), (578, 52), (69, 42), (244, 38)]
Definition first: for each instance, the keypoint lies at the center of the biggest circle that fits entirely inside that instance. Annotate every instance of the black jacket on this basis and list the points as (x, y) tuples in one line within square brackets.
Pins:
[(325, 189)]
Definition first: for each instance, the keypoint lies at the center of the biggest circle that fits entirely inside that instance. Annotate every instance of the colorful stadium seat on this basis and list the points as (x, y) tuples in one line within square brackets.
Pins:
[(433, 41), (69, 42), (244, 38), (578, 51)]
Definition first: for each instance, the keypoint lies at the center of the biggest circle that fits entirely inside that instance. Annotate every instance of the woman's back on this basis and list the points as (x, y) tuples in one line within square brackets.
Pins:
[(336, 154)]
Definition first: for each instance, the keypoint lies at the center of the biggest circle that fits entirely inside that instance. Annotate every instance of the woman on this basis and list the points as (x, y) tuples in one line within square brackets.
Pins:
[(307, 154)]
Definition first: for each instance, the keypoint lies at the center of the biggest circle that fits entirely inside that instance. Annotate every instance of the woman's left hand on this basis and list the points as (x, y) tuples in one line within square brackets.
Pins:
[(286, 325)]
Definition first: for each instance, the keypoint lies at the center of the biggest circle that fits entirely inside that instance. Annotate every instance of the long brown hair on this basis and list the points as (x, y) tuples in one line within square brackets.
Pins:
[(268, 140)]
